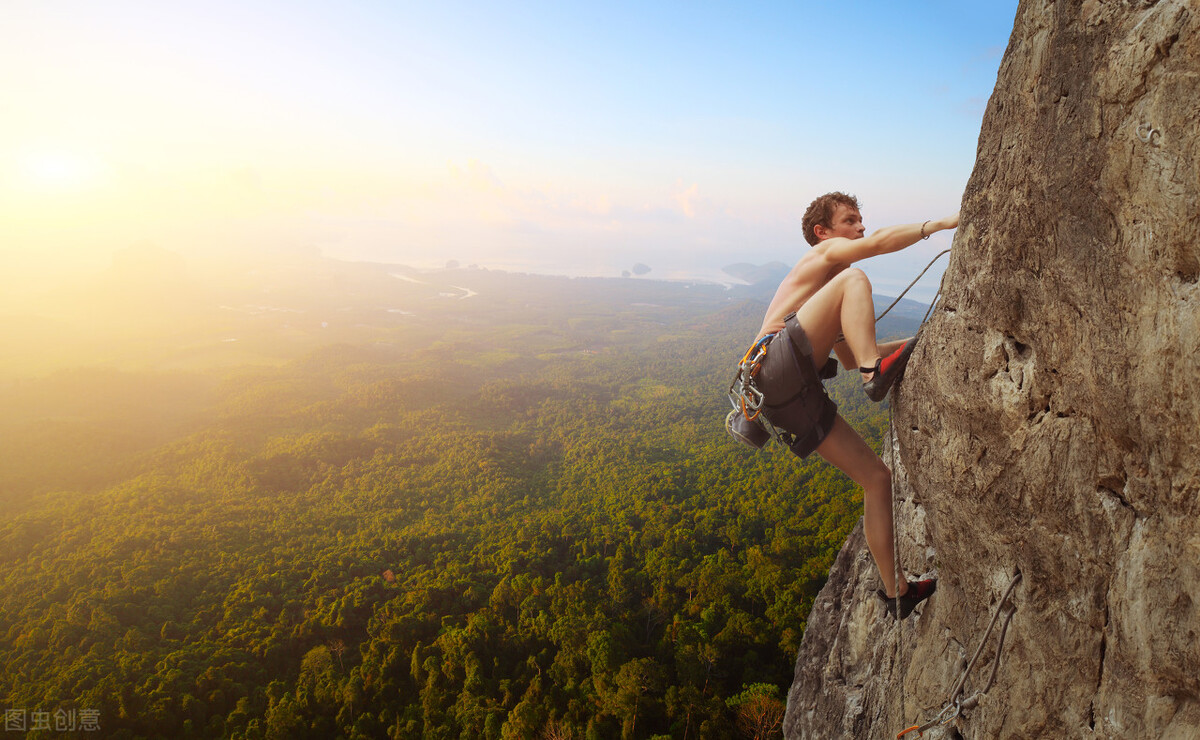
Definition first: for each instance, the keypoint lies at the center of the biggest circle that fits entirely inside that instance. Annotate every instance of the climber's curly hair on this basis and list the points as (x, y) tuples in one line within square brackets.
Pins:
[(821, 211)]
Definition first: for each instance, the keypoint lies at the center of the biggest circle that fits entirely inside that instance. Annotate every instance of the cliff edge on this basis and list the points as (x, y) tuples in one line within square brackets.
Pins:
[(1049, 423)]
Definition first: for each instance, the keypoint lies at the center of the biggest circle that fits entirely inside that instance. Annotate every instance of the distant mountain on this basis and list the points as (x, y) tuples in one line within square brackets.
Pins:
[(753, 274)]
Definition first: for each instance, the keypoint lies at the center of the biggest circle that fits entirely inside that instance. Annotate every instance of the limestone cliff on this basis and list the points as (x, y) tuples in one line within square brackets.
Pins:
[(1050, 420)]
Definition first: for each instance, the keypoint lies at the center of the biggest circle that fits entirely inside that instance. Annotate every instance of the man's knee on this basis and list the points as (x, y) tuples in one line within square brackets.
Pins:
[(878, 478), (856, 277)]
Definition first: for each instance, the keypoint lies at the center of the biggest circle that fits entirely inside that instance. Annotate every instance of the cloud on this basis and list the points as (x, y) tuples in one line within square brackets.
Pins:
[(600, 205), (686, 199), (477, 176)]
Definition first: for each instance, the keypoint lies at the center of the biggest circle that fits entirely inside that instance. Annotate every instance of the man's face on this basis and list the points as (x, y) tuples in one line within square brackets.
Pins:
[(847, 222)]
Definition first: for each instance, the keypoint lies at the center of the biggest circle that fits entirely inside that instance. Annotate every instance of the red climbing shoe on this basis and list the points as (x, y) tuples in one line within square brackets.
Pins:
[(887, 371), (917, 592)]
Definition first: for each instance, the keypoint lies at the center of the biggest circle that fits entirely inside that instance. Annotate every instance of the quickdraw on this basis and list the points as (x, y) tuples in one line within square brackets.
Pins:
[(744, 396), (747, 400)]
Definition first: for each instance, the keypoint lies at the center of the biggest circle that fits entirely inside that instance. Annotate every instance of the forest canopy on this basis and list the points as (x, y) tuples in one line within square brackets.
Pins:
[(508, 510)]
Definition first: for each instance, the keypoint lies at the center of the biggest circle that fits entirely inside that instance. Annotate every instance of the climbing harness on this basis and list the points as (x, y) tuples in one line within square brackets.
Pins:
[(956, 704), (810, 407)]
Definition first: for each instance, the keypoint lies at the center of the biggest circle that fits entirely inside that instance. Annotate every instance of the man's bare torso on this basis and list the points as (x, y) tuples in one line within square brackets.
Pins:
[(809, 275)]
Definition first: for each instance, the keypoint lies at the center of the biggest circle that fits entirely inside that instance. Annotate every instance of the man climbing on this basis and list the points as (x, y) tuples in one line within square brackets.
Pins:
[(825, 304)]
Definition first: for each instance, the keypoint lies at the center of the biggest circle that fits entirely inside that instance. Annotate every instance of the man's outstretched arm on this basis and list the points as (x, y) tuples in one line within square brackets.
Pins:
[(885, 240)]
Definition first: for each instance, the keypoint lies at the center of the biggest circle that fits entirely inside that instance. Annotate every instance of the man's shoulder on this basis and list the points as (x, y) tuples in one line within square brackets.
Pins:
[(817, 254), (825, 246)]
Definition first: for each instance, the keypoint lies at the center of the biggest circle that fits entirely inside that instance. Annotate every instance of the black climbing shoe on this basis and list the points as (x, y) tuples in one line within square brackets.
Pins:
[(917, 592), (887, 371)]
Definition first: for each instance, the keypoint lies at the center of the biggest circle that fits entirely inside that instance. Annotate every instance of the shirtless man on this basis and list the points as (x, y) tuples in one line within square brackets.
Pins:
[(832, 300)]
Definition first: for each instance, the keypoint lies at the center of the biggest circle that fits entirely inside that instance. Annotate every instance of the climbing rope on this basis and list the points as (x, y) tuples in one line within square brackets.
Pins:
[(897, 571), (891, 427), (957, 704), (914, 282)]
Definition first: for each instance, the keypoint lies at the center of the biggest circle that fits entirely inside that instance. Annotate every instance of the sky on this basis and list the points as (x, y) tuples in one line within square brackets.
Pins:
[(556, 137)]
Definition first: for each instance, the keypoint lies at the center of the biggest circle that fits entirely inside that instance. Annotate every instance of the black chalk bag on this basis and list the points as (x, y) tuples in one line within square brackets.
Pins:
[(749, 433)]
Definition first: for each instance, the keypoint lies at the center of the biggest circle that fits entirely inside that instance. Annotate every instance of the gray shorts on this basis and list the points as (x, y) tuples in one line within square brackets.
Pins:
[(794, 400)]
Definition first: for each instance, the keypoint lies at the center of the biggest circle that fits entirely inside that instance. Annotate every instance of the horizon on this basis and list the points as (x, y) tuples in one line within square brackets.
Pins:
[(141, 255)]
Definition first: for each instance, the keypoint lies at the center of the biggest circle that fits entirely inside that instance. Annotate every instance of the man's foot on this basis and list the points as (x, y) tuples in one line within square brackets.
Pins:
[(917, 592), (887, 371)]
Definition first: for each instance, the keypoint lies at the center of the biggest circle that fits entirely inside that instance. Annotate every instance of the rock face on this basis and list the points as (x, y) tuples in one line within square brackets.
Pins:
[(1049, 423)]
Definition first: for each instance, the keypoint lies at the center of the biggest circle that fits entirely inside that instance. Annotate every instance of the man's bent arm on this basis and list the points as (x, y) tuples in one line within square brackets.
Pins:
[(885, 240)]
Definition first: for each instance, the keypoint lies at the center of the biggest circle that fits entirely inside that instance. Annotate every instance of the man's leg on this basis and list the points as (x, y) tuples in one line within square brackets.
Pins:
[(850, 453), (842, 306)]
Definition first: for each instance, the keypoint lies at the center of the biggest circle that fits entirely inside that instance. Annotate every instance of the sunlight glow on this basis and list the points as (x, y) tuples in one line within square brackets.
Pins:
[(58, 169)]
